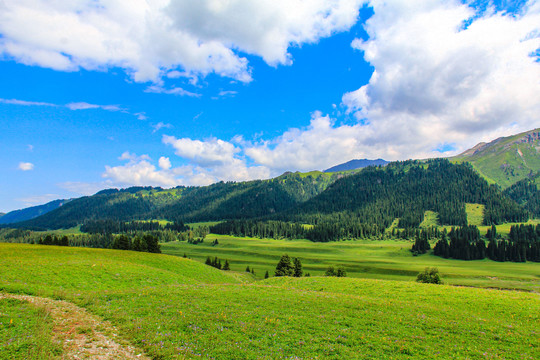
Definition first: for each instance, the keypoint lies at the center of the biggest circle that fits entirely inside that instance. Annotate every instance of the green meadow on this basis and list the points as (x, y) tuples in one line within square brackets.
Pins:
[(372, 259), (176, 308)]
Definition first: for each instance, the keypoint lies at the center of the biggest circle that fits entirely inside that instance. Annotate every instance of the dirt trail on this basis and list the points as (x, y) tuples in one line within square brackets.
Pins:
[(83, 335)]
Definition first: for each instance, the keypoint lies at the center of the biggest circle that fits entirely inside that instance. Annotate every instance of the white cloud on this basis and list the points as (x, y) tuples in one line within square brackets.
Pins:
[(165, 163), (172, 91), (151, 38), (160, 125), (30, 147), (26, 166), (224, 93), (319, 146), (139, 171), (438, 82), (205, 153), (86, 106), (25, 103)]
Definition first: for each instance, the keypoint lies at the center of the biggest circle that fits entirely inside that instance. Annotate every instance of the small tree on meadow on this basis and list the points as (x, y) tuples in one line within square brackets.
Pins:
[(284, 267), (429, 276), (226, 266), (298, 272), (340, 272), (330, 271), (266, 275)]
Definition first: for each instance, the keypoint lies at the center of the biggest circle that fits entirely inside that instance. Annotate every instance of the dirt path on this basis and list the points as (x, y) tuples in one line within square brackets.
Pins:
[(83, 335)]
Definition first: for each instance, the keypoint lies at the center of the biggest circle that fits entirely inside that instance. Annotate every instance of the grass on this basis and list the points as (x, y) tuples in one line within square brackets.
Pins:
[(205, 223), (389, 259), (431, 218), (475, 214), (25, 332), (175, 308)]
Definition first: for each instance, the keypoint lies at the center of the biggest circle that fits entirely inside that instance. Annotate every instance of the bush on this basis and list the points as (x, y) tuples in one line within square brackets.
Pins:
[(429, 276)]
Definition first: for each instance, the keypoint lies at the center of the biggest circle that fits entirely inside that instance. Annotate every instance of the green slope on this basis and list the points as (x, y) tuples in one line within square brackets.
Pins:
[(174, 308), (506, 160)]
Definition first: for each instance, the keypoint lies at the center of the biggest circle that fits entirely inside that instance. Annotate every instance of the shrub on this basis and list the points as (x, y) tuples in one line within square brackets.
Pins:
[(429, 276)]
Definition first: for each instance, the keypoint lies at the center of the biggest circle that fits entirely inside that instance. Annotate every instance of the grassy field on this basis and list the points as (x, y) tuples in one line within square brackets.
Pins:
[(25, 332), (389, 259), (475, 214), (178, 308)]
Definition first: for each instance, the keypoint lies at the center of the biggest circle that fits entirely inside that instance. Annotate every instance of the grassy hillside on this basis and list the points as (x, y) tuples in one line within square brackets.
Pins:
[(176, 308), (506, 160)]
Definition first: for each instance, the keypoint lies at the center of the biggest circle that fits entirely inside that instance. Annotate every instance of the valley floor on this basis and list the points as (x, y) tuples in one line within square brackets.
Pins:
[(372, 259)]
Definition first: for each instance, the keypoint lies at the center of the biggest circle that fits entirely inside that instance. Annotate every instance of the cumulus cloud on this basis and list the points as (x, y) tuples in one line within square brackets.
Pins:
[(165, 163), (151, 38), (25, 166), (318, 146), (446, 74), (139, 171), (205, 153)]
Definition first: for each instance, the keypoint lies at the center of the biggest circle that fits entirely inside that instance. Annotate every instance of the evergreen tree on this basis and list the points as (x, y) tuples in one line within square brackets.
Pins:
[(247, 269), (266, 275), (298, 272), (284, 267), (226, 266)]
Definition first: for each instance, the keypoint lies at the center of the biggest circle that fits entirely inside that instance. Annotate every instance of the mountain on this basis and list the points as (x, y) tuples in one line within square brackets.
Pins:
[(31, 212), (223, 200), (506, 160), (404, 191), (356, 164)]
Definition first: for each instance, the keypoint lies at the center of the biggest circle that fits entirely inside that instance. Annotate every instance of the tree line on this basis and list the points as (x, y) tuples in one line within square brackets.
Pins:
[(465, 243)]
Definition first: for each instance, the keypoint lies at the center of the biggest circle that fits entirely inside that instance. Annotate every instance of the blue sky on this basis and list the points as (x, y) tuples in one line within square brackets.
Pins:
[(98, 94)]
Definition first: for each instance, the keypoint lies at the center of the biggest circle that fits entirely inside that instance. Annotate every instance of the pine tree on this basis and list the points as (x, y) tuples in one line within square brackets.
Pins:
[(226, 266), (247, 269), (298, 272), (284, 267), (266, 275)]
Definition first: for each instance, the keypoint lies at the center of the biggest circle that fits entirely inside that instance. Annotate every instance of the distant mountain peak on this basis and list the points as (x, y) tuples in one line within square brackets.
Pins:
[(356, 164), (505, 160)]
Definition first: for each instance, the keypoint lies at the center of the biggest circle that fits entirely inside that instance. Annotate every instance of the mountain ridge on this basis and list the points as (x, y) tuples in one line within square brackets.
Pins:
[(505, 160), (356, 164), (31, 212)]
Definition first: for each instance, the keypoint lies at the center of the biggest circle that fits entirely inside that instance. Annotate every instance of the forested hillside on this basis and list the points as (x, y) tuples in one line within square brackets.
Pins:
[(219, 201), (405, 190), (527, 194)]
